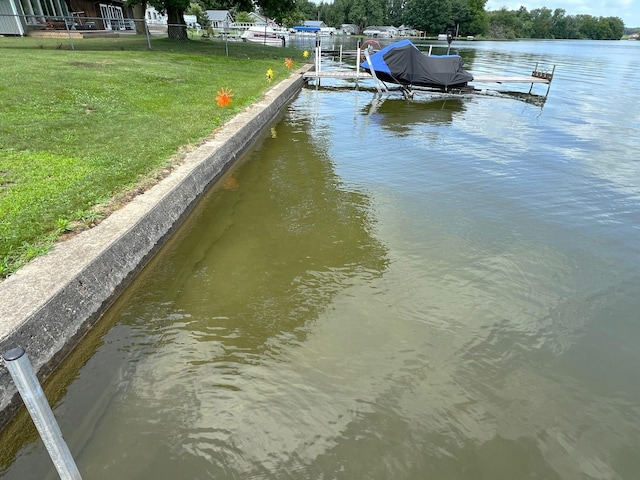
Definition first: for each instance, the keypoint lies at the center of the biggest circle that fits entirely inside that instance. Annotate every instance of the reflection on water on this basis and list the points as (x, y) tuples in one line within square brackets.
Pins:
[(399, 115), (443, 288)]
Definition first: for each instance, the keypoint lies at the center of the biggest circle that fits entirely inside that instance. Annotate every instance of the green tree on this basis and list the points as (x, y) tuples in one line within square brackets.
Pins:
[(541, 25), (460, 16), (524, 23), (478, 18), (571, 28), (176, 26), (309, 9), (277, 9), (588, 26), (243, 17), (233, 6), (469, 17), (564, 26), (344, 6), (330, 15), (431, 16), (504, 24), (201, 15), (559, 29), (368, 12), (293, 18), (612, 28), (396, 12)]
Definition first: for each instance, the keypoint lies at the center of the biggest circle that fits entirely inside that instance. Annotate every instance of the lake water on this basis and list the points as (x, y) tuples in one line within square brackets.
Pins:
[(443, 288)]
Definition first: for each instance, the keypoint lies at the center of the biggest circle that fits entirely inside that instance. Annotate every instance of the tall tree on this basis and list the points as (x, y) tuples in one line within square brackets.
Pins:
[(176, 26), (233, 6), (469, 17), (541, 23), (588, 26), (345, 7), (612, 28), (308, 9), (277, 9), (431, 16), (460, 15), (524, 19), (368, 12), (330, 15), (199, 11), (504, 24), (396, 8)]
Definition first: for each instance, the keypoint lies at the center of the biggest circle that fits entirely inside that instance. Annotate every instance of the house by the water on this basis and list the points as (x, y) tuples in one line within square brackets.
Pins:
[(219, 19), (349, 29), (20, 17), (381, 31)]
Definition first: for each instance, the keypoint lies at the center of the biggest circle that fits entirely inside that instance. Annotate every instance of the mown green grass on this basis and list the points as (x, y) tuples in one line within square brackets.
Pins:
[(78, 127)]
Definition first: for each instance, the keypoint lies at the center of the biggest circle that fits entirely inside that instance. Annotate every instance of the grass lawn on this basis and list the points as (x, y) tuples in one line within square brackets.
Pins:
[(80, 127)]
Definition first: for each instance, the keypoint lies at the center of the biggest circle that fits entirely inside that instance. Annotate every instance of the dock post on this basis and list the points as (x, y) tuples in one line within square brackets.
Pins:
[(318, 59), (535, 70), (553, 71), (34, 399), (358, 53)]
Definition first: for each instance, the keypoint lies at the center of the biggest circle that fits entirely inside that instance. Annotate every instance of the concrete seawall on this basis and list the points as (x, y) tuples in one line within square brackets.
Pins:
[(50, 304)]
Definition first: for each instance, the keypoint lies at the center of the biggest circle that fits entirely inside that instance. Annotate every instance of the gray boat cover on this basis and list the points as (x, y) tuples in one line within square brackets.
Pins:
[(402, 63)]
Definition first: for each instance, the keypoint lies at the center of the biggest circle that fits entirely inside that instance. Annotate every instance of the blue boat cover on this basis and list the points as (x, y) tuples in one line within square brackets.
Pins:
[(402, 63), (303, 28)]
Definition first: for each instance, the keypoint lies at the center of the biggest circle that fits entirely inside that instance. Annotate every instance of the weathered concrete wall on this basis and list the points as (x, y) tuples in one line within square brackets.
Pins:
[(48, 306)]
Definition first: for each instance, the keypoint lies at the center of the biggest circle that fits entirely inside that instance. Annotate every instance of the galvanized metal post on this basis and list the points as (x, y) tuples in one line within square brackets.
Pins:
[(358, 60), (66, 24), (34, 399), (318, 53), (146, 31)]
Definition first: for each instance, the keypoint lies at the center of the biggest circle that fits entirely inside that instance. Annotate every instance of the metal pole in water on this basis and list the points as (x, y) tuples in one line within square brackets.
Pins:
[(357, 62), (34, 399)]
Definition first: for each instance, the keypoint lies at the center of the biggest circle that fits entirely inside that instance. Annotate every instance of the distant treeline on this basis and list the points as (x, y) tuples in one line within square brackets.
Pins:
[(544, 23), (465, 17)]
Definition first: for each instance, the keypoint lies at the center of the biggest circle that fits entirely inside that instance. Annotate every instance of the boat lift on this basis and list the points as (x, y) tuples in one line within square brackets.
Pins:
[(538, 75)]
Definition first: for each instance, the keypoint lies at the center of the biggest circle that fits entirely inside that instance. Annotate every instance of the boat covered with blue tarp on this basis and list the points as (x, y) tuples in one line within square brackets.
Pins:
[(403, 63), (305, 28)]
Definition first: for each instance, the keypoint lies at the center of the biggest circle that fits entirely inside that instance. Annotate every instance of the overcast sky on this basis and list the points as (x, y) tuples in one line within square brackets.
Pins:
[(625, 9)]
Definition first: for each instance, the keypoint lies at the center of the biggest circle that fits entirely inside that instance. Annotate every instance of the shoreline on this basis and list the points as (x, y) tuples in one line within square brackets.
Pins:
[(49, 305)]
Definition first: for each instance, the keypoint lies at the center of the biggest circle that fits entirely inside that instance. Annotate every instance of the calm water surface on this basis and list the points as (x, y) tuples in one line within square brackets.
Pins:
[(442, 288)]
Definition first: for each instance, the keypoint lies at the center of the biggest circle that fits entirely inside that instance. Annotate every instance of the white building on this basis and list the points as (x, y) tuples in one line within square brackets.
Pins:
[(154, 17), (219, 18), (377, 31), (349, 29)]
